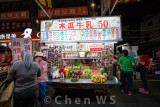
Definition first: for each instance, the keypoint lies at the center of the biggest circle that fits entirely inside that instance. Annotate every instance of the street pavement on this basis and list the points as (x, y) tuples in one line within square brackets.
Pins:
[(116, 99)]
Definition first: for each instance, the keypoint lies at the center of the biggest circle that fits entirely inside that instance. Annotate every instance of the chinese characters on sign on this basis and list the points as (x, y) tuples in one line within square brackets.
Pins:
[(64, 12), (14, 15), (19, 44), (2, 58), (81, 23), (7, 36), (77, 29)]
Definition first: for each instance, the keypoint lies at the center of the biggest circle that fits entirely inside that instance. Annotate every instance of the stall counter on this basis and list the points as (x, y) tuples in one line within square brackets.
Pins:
[(85, 81), (83, 84)]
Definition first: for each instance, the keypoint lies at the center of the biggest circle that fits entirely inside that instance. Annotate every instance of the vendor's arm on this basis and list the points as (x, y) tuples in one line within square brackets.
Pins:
[(142, 60)]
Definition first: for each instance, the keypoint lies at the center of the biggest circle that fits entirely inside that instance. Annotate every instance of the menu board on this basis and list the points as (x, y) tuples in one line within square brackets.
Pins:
[(81, 29)]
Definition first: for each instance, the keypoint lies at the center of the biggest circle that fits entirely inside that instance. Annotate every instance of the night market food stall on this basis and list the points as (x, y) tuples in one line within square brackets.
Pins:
[(81, 51)]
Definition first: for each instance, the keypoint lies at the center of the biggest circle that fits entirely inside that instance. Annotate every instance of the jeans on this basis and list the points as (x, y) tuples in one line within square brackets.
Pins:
[(143, 72), (26, 98), (42, 92), (134, 70), (129, 76)]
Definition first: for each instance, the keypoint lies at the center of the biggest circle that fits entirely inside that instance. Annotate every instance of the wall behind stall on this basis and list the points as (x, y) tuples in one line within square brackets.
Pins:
[(134, 49)]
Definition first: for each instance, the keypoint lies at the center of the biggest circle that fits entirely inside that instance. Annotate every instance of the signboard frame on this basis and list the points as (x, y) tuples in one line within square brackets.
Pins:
[(83, 41)]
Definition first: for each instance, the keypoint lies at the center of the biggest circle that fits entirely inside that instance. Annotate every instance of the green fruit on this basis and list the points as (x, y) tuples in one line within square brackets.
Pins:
[(87, 75), (105, 74), (99, 73), (90, 71), (72, 75), (84, 75), (91, 75), (75, 72), (102, 70), (72, 72)]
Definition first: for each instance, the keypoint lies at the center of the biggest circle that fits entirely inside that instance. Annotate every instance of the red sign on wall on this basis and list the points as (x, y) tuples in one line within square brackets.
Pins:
[(64, 12), (2, 58), (14, 15)]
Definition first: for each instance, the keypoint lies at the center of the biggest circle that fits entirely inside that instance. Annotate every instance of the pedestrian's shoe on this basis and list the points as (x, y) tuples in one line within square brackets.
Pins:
[(144, 91), (122, 90), (129, 93)]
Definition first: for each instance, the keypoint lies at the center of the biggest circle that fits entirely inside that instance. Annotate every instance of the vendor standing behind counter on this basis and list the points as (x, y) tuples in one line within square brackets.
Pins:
[(8, 59)]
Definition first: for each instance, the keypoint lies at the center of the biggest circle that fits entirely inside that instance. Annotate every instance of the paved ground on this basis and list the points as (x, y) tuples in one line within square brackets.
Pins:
[(122, 99)]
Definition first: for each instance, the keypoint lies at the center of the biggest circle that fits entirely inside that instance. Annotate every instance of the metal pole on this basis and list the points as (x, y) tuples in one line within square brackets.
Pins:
[(113, 7), (42, 9)]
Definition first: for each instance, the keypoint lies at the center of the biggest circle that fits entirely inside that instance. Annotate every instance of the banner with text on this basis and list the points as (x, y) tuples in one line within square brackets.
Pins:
[(64, 12), (81, 29), (17, 15), (67, 47), (18, 45)]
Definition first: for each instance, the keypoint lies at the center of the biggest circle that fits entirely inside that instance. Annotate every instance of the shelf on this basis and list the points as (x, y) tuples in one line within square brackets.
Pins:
[(79, 51), (81, 58)]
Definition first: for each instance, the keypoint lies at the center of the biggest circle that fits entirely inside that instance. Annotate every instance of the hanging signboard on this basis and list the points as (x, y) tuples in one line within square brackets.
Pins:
[(64, 12), (18, 45), (17, 15), (81, 29)]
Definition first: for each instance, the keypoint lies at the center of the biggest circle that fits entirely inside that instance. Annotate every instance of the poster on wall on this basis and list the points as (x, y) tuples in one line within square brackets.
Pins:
[(18, 45), (81, 29)]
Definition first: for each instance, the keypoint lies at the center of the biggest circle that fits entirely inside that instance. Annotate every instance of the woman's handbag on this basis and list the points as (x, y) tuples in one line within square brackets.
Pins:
[(6, 94)]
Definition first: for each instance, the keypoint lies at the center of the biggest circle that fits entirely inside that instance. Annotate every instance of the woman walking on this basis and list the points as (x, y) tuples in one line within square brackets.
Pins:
[(126, 64), (42, 81), (145, 63), (25, 74)]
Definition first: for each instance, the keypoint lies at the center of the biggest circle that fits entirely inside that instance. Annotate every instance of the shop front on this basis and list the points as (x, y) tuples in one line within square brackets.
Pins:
[(81, 51), (5, 43)]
